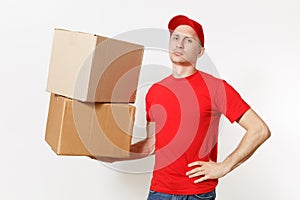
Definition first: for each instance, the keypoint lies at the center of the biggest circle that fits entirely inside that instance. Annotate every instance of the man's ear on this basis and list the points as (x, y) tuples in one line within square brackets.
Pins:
[(201, 52)]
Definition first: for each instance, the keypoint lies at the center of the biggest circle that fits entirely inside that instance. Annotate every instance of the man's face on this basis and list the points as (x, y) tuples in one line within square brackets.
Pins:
[(185, 46)]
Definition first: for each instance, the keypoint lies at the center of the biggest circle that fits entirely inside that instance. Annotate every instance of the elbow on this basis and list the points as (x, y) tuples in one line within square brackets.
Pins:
[(269, 133), (265, 132)]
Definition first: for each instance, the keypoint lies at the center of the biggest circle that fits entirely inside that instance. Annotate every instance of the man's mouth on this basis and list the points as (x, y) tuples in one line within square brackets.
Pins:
[(177, 53)]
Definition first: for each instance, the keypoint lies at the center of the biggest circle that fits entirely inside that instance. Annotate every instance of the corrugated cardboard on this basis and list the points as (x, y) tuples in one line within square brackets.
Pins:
[(89, 129), (93, 68)]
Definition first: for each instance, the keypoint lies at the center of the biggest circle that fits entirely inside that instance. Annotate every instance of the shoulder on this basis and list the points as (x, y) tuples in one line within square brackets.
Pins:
[(159, 84), (209, 77), (211, 81), (157, 87), (218, 87)]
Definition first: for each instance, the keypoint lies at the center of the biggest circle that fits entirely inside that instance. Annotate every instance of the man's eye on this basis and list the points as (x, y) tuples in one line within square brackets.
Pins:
[(175, 38), (190, 40)]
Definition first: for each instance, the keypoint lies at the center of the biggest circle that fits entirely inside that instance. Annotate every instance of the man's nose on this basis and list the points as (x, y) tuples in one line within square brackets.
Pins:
[(179, 44)]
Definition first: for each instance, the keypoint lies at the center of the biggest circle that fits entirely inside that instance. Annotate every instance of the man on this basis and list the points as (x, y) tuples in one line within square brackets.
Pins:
[(186, 108)]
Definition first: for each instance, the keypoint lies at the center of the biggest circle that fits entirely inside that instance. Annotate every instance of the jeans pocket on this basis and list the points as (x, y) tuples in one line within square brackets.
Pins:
[(206, 196)]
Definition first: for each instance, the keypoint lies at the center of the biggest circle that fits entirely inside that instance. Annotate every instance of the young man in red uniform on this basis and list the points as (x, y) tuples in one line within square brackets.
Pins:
[(186, 108)]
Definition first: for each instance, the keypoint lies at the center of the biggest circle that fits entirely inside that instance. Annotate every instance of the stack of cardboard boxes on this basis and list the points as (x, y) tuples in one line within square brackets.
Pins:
[(92, 81)]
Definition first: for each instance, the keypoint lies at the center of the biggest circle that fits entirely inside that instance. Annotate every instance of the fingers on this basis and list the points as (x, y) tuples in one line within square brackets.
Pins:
[(201, 170), (196, 173), (204, 178), (104, 159), (196, 163), (92, 157), (199, 163)]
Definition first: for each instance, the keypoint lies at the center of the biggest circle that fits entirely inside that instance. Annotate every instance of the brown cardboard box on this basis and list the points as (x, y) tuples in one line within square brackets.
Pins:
[(93, 68), (89, 129)]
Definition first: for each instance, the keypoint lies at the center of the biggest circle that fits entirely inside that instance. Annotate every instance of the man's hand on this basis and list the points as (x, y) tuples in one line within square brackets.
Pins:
[(143, 148), (138, 150), (105, 159), (206, 170)]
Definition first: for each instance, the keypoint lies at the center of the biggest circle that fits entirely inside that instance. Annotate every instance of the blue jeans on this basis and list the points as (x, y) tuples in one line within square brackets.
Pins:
[(162, 196)]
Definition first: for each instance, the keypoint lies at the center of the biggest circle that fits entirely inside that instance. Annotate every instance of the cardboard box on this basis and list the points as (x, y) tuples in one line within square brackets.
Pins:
[(89, 129), (93, 68)]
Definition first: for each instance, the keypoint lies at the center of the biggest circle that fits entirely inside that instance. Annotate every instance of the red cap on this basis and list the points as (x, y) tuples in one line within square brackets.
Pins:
[(183, 20)]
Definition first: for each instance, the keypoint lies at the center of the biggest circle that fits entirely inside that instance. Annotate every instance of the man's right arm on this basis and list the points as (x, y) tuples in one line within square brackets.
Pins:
[(141, 149)]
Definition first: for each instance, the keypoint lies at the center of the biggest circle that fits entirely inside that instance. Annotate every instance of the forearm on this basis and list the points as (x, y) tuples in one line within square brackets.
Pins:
[(256, 133), (143, 148), (248, 145)]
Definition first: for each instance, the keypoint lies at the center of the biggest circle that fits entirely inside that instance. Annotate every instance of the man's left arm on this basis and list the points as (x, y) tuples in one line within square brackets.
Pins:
[(257, 132)]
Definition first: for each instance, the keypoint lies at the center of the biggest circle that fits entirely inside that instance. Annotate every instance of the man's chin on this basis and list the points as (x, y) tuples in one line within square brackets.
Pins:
[(180, 61), (177, 59)]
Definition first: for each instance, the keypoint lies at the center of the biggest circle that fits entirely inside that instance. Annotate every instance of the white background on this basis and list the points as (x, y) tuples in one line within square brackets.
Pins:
[(254, 45)]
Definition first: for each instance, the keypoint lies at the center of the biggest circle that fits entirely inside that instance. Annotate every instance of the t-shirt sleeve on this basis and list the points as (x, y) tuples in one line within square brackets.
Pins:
[(229, 102)]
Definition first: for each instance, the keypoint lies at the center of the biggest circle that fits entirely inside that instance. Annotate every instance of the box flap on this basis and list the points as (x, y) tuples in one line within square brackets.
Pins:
[(69, 65)]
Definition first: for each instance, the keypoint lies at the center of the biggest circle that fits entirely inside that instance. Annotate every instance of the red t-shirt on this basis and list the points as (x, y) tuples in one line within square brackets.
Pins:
[(187, 112)]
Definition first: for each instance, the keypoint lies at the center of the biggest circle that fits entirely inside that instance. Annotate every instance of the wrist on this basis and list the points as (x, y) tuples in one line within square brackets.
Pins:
[(226, 168)]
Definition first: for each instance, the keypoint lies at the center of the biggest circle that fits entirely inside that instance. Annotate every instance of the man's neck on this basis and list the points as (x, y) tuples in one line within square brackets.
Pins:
[(183, 71)]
